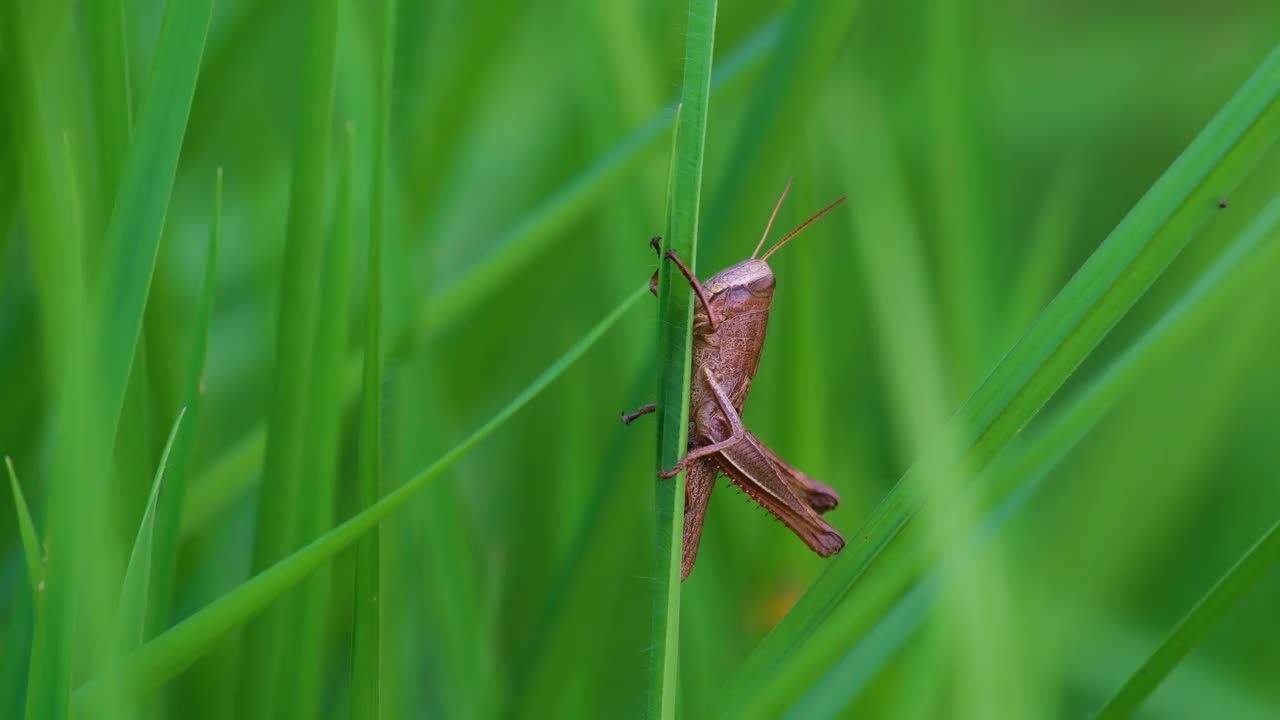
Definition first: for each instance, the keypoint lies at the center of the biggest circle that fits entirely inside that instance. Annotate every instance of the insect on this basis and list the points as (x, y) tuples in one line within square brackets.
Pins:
[(729, 324)]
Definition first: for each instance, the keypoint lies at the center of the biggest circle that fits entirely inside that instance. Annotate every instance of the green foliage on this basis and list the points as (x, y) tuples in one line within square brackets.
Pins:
[(1066, 214)]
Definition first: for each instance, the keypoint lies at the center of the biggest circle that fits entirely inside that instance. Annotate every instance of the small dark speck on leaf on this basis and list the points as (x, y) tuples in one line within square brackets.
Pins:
[(1222, 204)]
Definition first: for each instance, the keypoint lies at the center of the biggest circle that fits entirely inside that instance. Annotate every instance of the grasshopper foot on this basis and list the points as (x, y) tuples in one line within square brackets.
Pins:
[(628, 418)]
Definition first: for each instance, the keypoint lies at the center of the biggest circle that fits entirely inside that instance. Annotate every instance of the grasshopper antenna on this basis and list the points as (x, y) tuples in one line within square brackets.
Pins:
[(803, 225), (771, 217)]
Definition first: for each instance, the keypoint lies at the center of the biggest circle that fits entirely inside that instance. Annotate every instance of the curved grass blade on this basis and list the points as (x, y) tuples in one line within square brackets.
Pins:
[(236, 468), (1191, 629), (27, 532), (277, 532), (366, 650), (169, 513), (1100, 293), (137, 576), (170, 653), (675, 317)]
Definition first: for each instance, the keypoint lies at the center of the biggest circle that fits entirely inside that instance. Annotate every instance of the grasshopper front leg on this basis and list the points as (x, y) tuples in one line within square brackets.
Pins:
[(738, 432), (701, 292), (629, 418)]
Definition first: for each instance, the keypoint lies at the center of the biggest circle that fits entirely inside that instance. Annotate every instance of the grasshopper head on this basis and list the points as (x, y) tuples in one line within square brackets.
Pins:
[(752, 274)]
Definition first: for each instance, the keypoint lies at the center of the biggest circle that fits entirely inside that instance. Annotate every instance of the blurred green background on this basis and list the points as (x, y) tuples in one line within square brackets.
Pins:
[(988, 148)]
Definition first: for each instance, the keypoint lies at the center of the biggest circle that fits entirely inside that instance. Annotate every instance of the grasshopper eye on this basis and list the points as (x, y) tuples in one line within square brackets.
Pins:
[(763, 283)]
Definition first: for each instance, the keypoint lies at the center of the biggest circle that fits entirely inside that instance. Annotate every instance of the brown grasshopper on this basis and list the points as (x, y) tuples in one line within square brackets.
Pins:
[(729, 325)]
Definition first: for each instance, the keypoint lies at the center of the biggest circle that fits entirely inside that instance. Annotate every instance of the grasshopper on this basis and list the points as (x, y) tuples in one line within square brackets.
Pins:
[(729, 324)]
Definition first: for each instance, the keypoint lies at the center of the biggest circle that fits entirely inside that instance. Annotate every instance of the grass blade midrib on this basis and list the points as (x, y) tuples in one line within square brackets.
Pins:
[(366, 651)]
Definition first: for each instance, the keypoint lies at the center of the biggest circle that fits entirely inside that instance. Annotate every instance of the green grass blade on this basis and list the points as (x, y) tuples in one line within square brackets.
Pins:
[(99, 370), (26, 532), (277, 530), (674, 336), (302, 689), (111, 88), (168, 520), (366, 651), (170, 653), (234, 470), (1192, 628), (132, 612), (133, 236), (1101, 292), (963, 240)]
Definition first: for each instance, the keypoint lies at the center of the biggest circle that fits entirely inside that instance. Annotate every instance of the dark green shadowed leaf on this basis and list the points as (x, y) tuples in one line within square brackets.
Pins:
[(676, 299), (279, 495), (366, 651), (1117, 274), (165, 656)]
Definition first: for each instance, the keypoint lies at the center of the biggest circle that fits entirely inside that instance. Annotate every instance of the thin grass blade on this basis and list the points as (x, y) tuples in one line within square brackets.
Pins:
[(1263, 557), (132, 612), (27, 533), (674, 346), (303, 689), (366, 650)]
